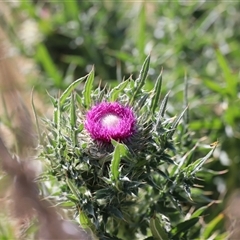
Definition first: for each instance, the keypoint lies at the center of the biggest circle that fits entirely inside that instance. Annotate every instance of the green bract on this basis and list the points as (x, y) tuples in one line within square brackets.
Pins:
[(133, 190)]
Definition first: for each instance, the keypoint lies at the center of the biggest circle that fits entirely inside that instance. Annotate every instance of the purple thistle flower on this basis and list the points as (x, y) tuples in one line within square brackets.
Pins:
[(110, 120)]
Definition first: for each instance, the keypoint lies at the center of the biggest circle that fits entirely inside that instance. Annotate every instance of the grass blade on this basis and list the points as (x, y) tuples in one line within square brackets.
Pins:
[(44, 58)]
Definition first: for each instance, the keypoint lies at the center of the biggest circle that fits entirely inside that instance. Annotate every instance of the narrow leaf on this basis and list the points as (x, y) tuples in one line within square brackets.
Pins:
[(142, 101), (70, 88), (72, 187), (140, 81), (164, 105), (84, 220), (73, 119), (199, 211), (199, 163), (157, 93), (88, 88), (176, 122), (184, 226), (216, 87), (45, 59), (162, 110), (212, 225), (157, 230), (185, 103), (113, 95), (119, 151), (141, 37), (72, 112), (230, 78), (116, 212), (36, 119)]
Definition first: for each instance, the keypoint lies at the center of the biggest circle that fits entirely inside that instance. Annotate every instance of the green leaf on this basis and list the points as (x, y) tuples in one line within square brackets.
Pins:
[(142, 101), (36, 119), (72, 187), (119, 151), (84, 220), (157, 93), (164, 105), (140, 81), (115, 212), (88, 88), (73, 119), (45, 59), (113, 95), (199, 211), (206, 124), (176, 122), (231, 79), (123, 56), (70, 88), (215, 86), (157, 230), (73, 112), (57, 116), (208, 231), (196, 166), (183, 227), (67, 204), (71, 10), (141, 39), (102, 193)]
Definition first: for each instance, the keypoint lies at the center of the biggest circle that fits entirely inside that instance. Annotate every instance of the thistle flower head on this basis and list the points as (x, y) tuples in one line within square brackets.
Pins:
[(110, 120), (140, 160)]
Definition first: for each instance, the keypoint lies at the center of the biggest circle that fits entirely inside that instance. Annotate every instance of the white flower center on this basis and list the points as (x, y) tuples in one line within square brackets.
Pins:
[(110, 120)]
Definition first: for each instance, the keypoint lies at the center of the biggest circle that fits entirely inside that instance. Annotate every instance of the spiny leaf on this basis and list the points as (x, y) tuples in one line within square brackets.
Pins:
[(85, 221), (119, 151), (157, 93), (142, 101), (162, 110), (56, 115), (196, 166), (176, 122), (199, 211), (157, 230), (72, 187), (116, 212), (88, 88), (36, 119), (113, 95), (72, 112), (140, 81), (73, 119), (182, 227), (70, 88), (164, 105)]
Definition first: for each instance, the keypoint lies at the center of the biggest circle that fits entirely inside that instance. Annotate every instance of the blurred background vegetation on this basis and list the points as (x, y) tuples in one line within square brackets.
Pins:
[(60, 41)]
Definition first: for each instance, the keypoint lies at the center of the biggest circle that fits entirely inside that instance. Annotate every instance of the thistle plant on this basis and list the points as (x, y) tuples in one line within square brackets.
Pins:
[(119, 164)]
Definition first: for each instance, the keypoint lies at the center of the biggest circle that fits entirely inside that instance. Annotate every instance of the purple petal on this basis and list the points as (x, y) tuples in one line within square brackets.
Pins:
[(107, 121)]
